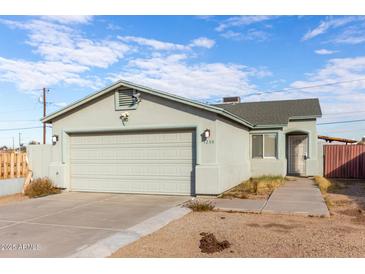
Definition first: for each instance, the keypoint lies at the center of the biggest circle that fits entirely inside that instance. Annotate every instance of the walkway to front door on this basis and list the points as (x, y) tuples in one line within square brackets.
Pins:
[(296, 196)]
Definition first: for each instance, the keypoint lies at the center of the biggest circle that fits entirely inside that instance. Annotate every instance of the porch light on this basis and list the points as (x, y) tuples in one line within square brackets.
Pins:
[(54, 139), (206, 133)]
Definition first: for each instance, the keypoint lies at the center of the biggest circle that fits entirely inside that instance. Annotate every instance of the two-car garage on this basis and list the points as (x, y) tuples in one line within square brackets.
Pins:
[(148, 161)]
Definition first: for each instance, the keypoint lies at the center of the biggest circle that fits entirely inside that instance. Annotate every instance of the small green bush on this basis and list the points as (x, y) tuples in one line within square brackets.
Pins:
[(41, 187), (199, 205)]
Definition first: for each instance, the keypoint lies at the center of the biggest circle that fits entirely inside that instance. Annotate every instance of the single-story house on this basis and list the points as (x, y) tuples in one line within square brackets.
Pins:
[(129, 138)]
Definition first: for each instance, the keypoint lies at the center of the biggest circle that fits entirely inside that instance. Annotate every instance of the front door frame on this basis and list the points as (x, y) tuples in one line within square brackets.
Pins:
[(305, 156)]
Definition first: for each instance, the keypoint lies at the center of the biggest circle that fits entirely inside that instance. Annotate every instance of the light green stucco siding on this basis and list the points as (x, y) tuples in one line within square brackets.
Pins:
[(219, 163), (278, 166), (213, 171), (232, 154)]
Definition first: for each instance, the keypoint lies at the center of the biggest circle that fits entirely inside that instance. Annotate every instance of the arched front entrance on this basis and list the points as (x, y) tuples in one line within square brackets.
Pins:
[(297, 148)]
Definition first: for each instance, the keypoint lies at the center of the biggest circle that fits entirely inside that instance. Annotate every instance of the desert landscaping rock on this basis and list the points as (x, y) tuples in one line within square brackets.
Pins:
[(210, 244)]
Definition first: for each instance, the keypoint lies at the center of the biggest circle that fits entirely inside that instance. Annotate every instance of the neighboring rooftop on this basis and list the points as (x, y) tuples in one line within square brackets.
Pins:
[(274, 112), (336, 139)]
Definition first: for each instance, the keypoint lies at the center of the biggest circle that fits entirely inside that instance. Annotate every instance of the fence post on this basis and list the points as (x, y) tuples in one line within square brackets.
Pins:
[(24, 165), (12, 165), (18, 164), (1, 165), (5, 165)]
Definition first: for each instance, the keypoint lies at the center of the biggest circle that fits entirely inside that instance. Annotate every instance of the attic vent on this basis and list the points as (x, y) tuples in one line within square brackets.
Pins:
[(125, 99), (231, 100)]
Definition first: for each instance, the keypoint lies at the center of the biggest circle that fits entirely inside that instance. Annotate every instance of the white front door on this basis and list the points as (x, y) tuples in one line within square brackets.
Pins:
[(297, 154)]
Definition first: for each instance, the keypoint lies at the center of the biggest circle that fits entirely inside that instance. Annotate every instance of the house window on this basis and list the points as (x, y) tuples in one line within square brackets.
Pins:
[(257, 149), (264, 145)]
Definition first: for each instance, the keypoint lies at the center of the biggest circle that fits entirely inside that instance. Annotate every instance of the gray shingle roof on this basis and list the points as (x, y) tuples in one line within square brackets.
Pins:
[(274, 112)]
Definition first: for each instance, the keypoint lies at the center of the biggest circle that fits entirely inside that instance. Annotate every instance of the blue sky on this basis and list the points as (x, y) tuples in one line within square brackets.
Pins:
[(200, 57)]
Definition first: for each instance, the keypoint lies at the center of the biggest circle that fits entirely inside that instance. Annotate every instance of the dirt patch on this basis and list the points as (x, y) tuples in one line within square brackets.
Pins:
[(210, 244), (354, 212), (347, 198), (281, 226), (265, 235), (12, 198), (357, 213), (253, 225), (342, 202)]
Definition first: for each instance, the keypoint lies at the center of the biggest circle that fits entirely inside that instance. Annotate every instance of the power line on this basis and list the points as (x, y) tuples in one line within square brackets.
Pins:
[(16, 110), (345, 130), (305, 87), (16, 120), (21, 128), (341, 122), (341, 113)]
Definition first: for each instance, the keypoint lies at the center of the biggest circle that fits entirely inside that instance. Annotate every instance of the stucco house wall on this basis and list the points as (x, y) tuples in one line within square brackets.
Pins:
[(278, 166), (232, 154), (220, 162), (155, 113)]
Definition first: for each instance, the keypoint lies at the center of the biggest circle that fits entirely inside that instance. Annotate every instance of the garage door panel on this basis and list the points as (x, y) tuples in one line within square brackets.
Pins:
[(130, 169), (132, 138), (120, 153), (133, 185), (139, 162)]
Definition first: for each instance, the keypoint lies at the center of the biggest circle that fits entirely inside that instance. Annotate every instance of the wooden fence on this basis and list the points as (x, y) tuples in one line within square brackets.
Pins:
[(344, 161), (13, 165)]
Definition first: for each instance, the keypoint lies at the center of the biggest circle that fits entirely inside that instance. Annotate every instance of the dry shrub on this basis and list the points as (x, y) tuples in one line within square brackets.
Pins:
[(267, 184), (199, 205), (41, 187), (263, 185), (322, 183), (329, 202)]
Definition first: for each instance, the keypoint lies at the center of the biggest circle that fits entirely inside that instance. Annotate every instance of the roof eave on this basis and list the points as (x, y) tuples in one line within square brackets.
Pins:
[(79, 102), (304, 117), (269, 126), (217, 110)]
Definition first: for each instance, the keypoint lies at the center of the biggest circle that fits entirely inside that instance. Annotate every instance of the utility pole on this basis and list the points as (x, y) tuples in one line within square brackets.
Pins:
[(44, 115), (20, 140), (13, 143)]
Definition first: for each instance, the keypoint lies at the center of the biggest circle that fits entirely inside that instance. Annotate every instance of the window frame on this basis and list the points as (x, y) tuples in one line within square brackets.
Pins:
[(263, 145)]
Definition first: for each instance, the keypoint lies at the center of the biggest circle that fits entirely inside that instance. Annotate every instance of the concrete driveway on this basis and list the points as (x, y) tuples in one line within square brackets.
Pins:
[(64, 224)]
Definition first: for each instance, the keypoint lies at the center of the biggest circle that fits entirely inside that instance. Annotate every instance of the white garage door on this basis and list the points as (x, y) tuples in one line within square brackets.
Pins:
[(135, 162)]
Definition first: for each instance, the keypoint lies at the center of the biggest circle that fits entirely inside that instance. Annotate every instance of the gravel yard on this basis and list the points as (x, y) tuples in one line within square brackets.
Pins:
[(262, 235)]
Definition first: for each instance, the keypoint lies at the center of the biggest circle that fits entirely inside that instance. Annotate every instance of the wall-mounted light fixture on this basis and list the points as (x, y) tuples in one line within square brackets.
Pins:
[(54, 139), (206, 133), (124, 117)]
